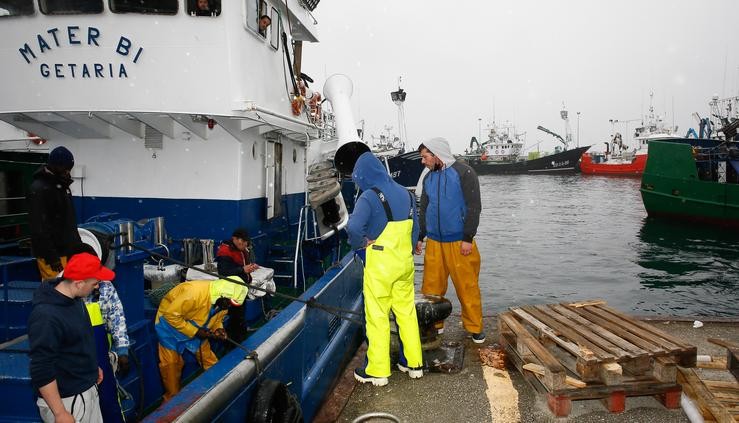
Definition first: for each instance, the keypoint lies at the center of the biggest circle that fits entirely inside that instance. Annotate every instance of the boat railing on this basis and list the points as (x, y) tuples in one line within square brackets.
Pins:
[(717, 163), (13, 214)]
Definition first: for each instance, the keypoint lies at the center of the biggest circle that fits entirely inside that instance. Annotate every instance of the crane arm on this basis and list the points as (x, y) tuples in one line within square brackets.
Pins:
[(541, 128)]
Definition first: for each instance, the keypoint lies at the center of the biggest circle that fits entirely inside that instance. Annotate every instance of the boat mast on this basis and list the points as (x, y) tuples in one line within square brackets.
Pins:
[(398, 98), (568, 130)]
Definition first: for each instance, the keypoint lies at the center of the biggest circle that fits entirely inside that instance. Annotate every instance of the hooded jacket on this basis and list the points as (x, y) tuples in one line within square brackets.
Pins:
[(450, 202), (368, 219), (52, 217), (62, 344)]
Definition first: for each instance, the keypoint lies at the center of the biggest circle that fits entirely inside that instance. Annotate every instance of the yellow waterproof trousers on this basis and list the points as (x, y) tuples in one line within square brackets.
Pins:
[(443, 259), (388, 285), (171, 363)]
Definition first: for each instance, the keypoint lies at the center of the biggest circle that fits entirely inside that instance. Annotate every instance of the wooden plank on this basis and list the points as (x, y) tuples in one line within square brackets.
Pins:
[(601, 354), (586, 303), (611, 373), (631, 349), (533, 321), (647, 327), (630, 325), (640, 342), (507, 341), (555, 379), (732, 355), (722, 342), (540, 370), (595, 338), (718, 363), (703, 396), (686, 355), (664, 369), (722, 384)]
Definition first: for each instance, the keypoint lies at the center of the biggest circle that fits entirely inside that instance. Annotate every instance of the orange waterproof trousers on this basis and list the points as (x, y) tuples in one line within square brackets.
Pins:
[(444, 259)]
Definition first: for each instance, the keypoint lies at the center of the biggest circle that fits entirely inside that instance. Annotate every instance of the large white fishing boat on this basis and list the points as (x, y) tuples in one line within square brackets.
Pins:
[(185, 122)]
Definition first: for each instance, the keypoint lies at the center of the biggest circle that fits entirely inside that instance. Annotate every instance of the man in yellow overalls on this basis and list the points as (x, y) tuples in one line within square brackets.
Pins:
[(383, 225), (190, 314)]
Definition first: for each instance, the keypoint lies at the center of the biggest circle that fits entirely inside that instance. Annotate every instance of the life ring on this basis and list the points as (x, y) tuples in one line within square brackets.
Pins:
[(36, 139), (273, 402), (297, 105), (484, 156), (314, 105)]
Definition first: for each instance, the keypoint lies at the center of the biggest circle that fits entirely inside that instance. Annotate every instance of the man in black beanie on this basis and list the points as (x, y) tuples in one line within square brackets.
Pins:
[(52, 218)]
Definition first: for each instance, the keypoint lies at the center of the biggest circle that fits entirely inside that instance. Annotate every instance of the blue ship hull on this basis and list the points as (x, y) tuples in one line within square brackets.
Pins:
[(303, 347)]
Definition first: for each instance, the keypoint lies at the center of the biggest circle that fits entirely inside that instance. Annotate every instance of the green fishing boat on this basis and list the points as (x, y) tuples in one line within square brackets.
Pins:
[(693, 179)]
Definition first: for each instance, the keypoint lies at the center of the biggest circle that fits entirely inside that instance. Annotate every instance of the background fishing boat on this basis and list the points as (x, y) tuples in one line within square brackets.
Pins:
[(621, 158), (696, 179), (502, 152), (183, 127)]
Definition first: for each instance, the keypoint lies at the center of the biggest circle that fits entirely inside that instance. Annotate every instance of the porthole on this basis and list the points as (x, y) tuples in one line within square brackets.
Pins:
[(295, 155)]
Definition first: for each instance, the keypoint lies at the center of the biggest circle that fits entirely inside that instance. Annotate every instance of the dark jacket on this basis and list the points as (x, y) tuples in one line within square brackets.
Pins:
[(450, 204), (369, 219), (52, 219), (231, 261), (62, 342)]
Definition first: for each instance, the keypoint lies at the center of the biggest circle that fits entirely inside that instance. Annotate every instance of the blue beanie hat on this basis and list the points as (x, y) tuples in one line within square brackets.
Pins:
[(61, 157)]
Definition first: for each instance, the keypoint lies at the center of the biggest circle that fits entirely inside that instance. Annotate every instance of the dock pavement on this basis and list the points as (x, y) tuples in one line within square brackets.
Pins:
[(483, 394)]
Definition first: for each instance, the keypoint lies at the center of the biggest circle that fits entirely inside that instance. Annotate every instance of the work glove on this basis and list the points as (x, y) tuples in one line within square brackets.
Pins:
[(202, 333), (56, 266), (123, 365), (219, 334)]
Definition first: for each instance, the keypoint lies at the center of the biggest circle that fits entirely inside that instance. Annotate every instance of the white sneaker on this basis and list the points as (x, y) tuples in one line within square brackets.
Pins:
[(413, 373), (363, 377)]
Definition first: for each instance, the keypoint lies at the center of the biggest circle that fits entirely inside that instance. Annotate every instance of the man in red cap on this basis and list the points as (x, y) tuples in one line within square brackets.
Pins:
[(63, 365)]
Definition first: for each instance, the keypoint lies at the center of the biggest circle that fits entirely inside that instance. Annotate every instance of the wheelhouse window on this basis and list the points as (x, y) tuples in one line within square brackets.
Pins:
[(274, 29), (263, 19), (16, 8), (204, 7), (70, 7), (155, 7)]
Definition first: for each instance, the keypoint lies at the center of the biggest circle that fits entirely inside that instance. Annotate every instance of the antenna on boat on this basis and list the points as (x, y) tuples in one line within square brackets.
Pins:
[(564, 114), (398, 97)]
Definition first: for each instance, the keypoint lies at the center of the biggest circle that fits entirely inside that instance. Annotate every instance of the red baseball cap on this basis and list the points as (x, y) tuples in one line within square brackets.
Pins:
[(86, 266)]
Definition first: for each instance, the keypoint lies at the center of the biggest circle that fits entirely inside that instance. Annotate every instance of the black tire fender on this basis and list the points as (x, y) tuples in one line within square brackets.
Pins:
[(274, 403)]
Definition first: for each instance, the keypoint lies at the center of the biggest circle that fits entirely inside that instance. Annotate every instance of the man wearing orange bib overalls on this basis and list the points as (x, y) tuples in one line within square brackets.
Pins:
[(384, 226)]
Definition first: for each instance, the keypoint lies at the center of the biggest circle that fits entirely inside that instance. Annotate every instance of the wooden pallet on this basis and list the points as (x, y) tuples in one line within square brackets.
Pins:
[(613, 354), (717, 400)]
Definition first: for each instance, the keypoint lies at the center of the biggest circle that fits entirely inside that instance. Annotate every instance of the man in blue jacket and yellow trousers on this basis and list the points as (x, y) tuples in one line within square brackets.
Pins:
[(384, 225)]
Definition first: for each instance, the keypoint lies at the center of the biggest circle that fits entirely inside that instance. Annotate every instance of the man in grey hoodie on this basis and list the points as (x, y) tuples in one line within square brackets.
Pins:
[(448, 218)]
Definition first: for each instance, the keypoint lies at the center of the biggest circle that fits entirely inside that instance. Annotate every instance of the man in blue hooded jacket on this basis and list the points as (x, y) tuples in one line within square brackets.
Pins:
[(384, 225)]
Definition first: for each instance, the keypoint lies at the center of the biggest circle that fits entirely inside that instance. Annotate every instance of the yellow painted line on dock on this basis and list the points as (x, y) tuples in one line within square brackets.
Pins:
[(502, 396)]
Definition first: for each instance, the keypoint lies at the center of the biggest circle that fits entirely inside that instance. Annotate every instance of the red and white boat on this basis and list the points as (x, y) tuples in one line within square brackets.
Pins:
[(618, 159)]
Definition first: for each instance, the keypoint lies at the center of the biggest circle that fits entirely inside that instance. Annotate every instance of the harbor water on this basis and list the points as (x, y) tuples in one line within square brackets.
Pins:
[(561, 238)]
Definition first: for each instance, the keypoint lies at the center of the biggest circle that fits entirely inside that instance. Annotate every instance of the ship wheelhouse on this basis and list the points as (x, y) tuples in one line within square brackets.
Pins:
[(170, 93)]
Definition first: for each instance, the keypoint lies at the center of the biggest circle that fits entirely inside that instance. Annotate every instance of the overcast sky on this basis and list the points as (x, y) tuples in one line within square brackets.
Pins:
[(461, 60)]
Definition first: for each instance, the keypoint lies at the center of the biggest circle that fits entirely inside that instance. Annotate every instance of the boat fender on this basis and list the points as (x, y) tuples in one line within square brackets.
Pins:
[(273, 402), (323, 192)]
